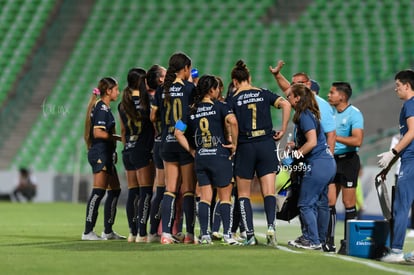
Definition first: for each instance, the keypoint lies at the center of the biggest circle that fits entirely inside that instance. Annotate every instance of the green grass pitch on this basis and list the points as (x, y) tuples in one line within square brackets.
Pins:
[(44, 238)]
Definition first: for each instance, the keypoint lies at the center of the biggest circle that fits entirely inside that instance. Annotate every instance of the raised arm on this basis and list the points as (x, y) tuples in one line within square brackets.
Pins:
[(281, 80)]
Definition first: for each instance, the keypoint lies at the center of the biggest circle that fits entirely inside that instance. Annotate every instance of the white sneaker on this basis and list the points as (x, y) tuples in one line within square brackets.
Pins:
[(410, 233), (180, 236), (239, 237), (271, 236), (131, 238), (205, 239), (91, 236), (142, 239), (153, 238), (216, 236), (230, 241), (112, 236), (394, 256)]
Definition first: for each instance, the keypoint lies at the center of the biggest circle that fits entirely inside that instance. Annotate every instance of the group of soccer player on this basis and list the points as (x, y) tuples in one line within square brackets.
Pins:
[(203, 146)]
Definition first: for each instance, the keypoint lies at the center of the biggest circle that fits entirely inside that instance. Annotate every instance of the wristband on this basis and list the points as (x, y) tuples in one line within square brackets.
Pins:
[(180, 125), (394, 151)]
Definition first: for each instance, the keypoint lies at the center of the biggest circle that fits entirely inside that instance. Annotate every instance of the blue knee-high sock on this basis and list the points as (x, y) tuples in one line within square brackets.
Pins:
[(92, 209), (270, 209), (145, 194), (216, 220), (246, 214), (131, 210), (189, 211), (225, 212), (155, 212), (350, 214), (167, 211), (110, 209), (204, 216)]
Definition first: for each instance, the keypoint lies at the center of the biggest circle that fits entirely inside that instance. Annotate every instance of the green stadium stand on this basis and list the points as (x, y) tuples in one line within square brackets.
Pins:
[(360, 41), (21, 24)]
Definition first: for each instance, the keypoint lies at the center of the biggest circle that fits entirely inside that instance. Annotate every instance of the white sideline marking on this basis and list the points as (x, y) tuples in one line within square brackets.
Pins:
[(370, 264), (345, 258), (284, 248)]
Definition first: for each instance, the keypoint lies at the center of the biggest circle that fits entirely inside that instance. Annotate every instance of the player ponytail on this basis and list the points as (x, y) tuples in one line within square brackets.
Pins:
[(204, 86), (103, 85), (129, 104), (177, 62), (307, 101), (240, 72)]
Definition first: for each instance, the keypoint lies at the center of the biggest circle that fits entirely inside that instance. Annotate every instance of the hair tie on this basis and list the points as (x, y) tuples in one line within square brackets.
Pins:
[(96, 91)]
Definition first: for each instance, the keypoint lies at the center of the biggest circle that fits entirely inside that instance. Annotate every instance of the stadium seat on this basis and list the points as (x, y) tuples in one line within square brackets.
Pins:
[(358, 41)]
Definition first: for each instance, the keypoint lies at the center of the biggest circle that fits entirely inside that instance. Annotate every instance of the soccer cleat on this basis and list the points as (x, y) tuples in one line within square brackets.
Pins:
[(167, 238), (112, 236), (91, 236), (205, 239), (327, 247), (230, 241), (306, 244), (394, 256), (296, 242), (271, 236), (342, 249), (216, 236), (142, 239), (189, 238), (251, 241), (153, 238), (179, 237), (131, 238)]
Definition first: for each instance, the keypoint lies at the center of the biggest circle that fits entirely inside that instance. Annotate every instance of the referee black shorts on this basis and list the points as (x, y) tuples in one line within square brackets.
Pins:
[(347, 169)]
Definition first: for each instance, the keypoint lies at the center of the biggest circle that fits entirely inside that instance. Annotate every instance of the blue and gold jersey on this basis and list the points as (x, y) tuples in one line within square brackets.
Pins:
[(139, 131), (172, 108), (102, 117), (155, 99), (206, 128), (252, 109)]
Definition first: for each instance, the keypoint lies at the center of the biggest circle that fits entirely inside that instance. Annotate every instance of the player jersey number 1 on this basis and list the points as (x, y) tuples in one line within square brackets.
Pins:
[(253, 106)]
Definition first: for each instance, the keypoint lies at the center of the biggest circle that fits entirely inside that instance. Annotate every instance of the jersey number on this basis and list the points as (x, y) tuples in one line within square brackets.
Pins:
[(177, 111), (205, 133), (254, 114)]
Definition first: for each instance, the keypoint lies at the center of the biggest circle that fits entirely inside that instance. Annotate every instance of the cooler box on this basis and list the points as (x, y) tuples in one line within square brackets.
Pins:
[(367, 238)]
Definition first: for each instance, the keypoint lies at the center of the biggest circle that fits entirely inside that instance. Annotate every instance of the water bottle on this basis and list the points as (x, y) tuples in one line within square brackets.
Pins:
[(288, 160)]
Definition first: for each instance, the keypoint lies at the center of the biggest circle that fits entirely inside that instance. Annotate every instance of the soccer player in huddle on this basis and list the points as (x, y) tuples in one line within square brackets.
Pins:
[(174, 104), (137, 134), (207, 140), (100, 139), (155, 78), (256, 147)]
